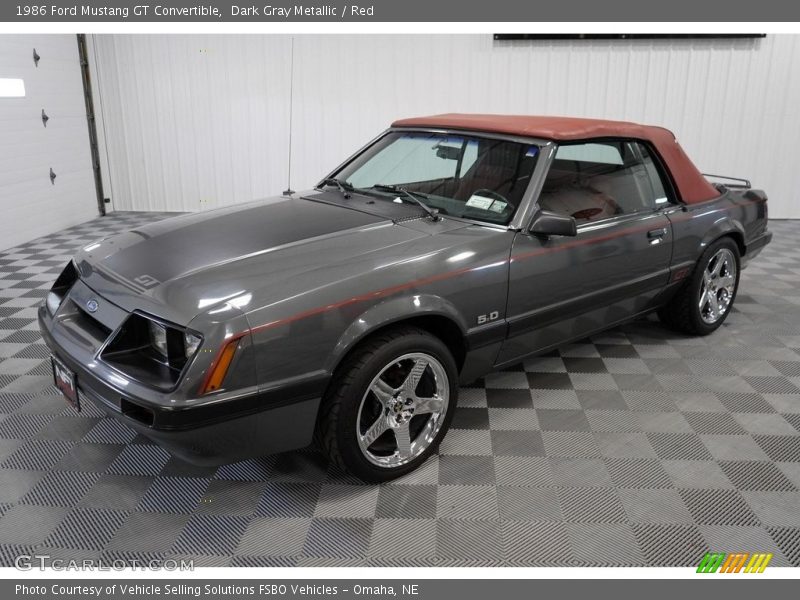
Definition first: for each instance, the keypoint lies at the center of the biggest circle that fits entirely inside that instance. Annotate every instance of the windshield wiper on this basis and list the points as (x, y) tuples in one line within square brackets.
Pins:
[(342, 185), (433, 213)]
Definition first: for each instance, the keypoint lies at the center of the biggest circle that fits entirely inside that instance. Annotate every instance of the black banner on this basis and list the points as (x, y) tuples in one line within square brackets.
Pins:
[(732, 588)]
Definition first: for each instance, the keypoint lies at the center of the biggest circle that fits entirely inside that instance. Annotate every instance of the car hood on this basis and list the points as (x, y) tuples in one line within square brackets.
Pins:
[(178, 267)]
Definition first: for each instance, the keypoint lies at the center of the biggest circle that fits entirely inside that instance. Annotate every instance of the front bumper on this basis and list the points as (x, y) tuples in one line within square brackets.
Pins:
[(254, 423)]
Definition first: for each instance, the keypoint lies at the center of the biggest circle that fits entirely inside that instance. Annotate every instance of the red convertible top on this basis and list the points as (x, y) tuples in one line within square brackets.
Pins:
[(692, 187)]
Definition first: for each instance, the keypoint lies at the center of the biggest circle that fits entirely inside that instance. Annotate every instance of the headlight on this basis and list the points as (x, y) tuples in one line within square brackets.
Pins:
[(158, 339), (151, 351), (172, 345), (191, 343)]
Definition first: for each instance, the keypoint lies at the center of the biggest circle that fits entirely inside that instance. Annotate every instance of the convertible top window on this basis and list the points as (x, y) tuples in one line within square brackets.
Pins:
[(465, 176), (595, 181)]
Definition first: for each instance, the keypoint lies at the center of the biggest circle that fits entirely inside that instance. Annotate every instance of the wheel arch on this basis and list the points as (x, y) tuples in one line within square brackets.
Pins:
[(724, 228), (737, 237), (432, 314)]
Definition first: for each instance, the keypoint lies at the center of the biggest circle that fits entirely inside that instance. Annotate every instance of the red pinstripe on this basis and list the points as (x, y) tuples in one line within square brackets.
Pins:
[(436, 278)]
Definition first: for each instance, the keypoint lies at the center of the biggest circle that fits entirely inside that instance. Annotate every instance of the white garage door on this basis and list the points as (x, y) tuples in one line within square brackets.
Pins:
[(31, 204), (195, 122)]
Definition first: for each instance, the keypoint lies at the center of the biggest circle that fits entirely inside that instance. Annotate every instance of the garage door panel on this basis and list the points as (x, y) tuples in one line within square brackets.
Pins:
[(40, 195), (31, 205), (62, 71), (31, 155), (37, 167), (53, 44), (22, 58), (63, 98), (9, 115), (29, 144), (57, 130), (56, 88)]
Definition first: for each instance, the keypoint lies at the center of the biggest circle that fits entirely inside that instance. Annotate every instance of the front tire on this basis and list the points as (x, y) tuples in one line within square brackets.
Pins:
[(390, 404), (706, 299)]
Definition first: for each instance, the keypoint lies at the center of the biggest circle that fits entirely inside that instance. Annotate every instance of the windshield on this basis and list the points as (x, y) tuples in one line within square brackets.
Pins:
[(465, 176)]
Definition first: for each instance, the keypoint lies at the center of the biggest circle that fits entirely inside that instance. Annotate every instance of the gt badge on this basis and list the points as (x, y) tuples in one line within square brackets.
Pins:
[(146, 281)]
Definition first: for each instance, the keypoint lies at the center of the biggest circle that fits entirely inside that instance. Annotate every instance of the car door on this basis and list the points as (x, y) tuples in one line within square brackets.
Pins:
[(563, 288)]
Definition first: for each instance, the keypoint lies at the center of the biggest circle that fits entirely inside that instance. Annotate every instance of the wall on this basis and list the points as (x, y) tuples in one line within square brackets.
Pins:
[(29, 204), (194, 122)]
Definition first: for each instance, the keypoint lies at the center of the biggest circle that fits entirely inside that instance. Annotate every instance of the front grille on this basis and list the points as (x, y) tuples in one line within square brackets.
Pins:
[(82, 324)]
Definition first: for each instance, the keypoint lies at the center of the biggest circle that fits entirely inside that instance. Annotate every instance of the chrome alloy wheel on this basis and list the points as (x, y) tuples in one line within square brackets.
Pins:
[(403, 410), (718, 286)]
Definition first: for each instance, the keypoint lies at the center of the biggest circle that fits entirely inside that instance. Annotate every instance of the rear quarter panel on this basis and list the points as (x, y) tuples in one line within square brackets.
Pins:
[(742, 215)]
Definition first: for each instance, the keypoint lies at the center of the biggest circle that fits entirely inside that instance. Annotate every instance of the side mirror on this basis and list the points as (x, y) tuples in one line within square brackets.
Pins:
[(550, 223)]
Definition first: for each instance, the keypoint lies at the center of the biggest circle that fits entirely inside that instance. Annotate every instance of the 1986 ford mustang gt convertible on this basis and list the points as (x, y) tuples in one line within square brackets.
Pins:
[(449, 246)]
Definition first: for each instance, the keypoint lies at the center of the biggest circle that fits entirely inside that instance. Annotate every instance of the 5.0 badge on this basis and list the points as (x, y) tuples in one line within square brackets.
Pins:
[(492, 316)]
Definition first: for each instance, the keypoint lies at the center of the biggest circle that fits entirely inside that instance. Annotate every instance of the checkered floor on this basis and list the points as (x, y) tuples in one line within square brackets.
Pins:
[(637, 447)]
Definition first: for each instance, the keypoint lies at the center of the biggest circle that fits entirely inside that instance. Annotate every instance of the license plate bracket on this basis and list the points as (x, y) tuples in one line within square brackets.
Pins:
[(65, 380)]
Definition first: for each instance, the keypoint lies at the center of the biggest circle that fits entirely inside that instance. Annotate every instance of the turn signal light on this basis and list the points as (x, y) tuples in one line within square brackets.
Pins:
[(216, 374)]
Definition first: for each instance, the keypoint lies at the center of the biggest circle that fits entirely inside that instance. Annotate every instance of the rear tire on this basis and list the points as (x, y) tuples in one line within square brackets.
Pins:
[(706, 298), (389, 405)]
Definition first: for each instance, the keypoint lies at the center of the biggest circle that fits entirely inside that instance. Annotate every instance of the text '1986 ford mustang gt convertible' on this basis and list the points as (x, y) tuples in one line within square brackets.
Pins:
[(449, 246)]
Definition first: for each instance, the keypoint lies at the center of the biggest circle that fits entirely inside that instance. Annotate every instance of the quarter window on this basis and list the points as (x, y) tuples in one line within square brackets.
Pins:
[(600, 180)]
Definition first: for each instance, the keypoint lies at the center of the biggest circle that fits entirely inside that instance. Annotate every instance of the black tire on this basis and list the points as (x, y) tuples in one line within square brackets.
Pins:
[(683, 312), (339, 412)]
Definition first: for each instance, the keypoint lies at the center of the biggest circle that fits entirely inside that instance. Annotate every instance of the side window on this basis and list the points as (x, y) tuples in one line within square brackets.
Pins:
[(608, 154), (600, 180), (658, 193)]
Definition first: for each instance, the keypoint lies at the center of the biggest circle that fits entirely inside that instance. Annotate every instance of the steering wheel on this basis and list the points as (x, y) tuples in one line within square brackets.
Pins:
[(495, 196)]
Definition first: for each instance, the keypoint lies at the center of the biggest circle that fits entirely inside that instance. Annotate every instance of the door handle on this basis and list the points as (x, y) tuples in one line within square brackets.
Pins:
[(657, 233)]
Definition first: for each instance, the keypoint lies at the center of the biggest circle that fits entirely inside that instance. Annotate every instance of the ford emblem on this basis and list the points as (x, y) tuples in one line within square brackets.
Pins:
[(91, 305)]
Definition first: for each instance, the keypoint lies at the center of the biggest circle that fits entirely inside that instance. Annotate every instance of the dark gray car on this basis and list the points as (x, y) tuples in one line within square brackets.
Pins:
[(446, 248)]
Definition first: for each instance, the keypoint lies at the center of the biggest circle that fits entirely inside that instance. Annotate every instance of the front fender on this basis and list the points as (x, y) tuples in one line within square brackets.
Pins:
[(393, 310), (220, 325)]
